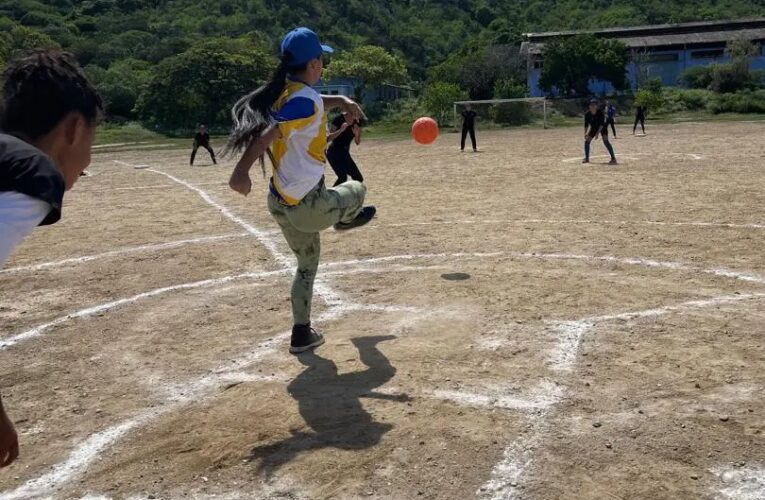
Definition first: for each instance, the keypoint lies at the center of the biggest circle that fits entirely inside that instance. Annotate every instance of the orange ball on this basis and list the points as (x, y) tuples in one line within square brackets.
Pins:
[(425, 130)]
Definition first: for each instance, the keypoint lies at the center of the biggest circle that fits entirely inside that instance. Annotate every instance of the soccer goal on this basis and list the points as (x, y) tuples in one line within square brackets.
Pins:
[(521, 111)]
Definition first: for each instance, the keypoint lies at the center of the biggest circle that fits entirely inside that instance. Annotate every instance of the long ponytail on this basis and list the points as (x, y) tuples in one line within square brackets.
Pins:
[(251, 113)]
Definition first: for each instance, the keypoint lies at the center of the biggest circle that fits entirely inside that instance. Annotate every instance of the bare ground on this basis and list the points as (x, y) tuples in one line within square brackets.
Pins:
[(512, 325)]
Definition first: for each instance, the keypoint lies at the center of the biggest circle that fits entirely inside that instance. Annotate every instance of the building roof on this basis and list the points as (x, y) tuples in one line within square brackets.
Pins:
[(662, 35)]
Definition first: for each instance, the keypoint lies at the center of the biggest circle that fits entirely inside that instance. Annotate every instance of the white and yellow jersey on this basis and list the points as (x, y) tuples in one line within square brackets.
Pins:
[(299, 153)]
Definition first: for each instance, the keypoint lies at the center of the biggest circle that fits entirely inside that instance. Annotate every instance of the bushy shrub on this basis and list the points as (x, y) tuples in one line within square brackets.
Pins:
[(740, 102), (511, 113), (697, 77)]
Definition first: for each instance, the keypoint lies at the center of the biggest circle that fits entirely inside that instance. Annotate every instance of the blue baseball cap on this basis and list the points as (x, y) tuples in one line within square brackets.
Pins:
[(303, 45)]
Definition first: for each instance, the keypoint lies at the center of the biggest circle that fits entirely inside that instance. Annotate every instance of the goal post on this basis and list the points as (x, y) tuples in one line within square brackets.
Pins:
[(519, 111)]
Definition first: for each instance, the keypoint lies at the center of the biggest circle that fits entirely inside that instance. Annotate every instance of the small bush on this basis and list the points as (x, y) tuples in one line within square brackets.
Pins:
[(698, 77), (740, 102), (511, 113)]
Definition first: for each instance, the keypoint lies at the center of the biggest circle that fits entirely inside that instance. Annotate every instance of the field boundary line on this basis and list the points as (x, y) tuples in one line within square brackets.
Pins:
[(123, 251)]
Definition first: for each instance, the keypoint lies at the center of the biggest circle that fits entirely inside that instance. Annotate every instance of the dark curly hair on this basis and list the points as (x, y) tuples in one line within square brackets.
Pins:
[(39, 90)]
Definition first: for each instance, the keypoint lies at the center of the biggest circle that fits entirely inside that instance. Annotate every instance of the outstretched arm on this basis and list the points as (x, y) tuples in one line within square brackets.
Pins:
[(240, 178), (336, 132), (344, 103), (9, 440)]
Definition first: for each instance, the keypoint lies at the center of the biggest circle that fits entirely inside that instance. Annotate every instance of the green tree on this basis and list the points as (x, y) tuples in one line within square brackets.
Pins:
[(21, 39), (439, 98), (509, 89), (369, 65), (570, 63), (121, 85), (202, 84)]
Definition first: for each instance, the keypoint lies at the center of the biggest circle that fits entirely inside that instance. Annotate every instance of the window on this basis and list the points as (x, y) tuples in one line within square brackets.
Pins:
[(538, 64), (708, 54), (658, 58)]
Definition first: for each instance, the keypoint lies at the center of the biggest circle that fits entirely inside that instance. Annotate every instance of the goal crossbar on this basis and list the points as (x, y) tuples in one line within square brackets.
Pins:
[(502, 101)]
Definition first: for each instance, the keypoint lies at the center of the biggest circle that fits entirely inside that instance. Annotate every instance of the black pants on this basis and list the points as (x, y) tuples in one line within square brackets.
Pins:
[(641, 120), (207, 147), (612, 122), (465, 132), (342, 163)]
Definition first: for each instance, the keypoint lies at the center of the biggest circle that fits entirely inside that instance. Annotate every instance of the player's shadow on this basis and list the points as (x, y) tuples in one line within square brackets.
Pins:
[(331, 406)]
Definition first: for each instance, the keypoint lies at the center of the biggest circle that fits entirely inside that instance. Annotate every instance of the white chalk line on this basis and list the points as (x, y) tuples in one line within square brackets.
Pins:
[(631, 261), (118, 144), (518, 456), (741, 483), (321, 288), (123, 251), (263, 237), (39, 330), (139, 188), (570, 333), (692, 156), (177, 396), (576, 221)]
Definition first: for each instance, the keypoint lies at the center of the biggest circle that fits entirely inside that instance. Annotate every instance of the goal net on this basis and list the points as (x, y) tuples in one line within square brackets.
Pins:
[(531, 111)]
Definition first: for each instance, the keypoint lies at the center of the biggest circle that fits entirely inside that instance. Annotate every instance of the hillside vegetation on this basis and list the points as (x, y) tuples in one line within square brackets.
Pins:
[(132, 48)]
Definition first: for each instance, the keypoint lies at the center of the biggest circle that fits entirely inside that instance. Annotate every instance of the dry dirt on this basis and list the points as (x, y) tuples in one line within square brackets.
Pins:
[(512, 325)]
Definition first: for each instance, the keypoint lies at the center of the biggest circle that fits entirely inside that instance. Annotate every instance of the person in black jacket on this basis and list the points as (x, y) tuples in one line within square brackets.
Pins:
[(47, 126), (640, 112), (344, 131), (468, 127), (595, 124), (202, 139)]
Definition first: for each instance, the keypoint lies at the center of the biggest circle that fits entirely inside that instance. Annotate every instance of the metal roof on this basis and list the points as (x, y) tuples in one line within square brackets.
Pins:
[(700, 33)]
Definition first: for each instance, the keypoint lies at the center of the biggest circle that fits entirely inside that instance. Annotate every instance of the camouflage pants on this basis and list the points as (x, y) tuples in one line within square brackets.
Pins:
[(318, 210)]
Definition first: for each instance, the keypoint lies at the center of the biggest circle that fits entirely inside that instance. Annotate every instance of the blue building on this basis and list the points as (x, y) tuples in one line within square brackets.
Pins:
[(662, 51), (347, 87)]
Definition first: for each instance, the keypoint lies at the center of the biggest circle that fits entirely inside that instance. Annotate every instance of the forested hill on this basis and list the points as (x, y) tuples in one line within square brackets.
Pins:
[(172, 63), (425, 32)]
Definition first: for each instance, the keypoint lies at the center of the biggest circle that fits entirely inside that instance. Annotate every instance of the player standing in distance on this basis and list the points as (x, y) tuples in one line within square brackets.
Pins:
[(48, 124), (640, 112), (594, 125), (611, 116), (468, 126), (344, 130), (202, 139), (285, 119)]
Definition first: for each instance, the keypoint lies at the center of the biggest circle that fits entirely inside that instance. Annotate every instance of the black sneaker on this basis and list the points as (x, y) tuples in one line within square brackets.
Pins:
[(366, 215), (304, 338), (613, 162), (586, 160)]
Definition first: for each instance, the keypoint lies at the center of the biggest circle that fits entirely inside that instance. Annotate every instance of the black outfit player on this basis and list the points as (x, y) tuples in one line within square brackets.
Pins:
[(339, 151), (202, 140), (468, 127), (595, 124), (640, 113)]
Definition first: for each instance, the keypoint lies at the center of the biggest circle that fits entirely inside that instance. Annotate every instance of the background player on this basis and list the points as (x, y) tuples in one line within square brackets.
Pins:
[(344, 130), (48, 124), (640, 112), (611, 116), (287, 115), (202, 139), (468, 126), (594, 125)]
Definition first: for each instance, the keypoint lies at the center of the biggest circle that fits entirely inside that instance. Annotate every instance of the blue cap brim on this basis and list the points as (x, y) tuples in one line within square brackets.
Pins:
[(327, 49)]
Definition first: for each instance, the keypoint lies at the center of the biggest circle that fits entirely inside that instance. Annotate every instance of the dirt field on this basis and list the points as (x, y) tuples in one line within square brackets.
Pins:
[(512, 325)]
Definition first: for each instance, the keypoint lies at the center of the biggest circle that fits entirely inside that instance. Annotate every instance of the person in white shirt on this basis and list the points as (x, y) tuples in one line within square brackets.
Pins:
[(47, 126)]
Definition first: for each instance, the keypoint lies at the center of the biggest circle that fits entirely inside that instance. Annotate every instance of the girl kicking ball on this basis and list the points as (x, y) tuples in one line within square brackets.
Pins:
[(285, 119)]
